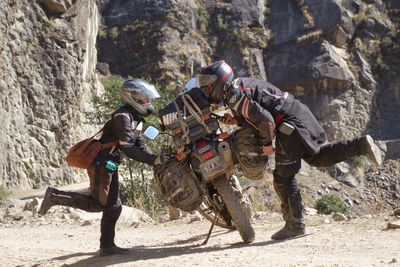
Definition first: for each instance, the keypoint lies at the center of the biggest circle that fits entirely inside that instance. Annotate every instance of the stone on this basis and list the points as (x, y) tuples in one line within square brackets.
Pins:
[(163, 219), (339, 37), (366, 76), (251, 12), (174, 213), (56, 6), (349, 202), (337, 217), (32, 205), (87, 223), (396, 212), (196, 217), (103, 68), (393, 225), (311, 211)]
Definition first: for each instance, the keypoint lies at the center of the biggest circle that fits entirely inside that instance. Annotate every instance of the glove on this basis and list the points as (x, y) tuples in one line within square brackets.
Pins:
[(268, 150), (228, 119), (162, 158)]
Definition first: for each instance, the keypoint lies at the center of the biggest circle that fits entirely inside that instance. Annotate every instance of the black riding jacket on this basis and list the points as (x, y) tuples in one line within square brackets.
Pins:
[(265, 107), (125, 126)]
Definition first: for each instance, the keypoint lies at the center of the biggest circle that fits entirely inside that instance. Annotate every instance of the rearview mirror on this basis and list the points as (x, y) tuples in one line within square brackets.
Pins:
[(151, 132), (191, 84)]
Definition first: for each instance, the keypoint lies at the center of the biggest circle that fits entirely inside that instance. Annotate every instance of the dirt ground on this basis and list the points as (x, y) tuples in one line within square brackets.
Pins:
[(362, 241)]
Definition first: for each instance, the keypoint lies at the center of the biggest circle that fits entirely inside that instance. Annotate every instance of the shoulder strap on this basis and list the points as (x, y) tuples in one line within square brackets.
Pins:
[(97, 133), (106, 145)]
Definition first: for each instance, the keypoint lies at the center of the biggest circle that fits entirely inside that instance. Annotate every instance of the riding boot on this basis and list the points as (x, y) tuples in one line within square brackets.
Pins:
[(333, 153), (107, 229), (292, 210), (54, 197), (107, 251)]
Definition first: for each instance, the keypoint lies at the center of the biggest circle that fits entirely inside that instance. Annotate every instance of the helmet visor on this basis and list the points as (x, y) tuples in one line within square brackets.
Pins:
[(204, 79), (150, 92), (141, 89)]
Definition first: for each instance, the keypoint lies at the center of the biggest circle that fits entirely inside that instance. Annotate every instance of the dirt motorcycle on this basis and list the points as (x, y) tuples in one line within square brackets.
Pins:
[(199, 175)]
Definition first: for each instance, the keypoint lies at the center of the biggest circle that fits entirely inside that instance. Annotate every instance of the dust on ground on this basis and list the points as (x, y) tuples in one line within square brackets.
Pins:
[(362, 241)]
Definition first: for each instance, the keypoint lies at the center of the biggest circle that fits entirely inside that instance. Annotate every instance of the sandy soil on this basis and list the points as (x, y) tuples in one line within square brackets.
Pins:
[(357, 242)]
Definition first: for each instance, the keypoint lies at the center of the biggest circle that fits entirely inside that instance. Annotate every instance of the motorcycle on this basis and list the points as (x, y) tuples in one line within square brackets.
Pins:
[(199, 174)]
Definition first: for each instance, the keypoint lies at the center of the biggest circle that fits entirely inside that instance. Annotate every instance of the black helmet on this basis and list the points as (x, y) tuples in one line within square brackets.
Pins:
[(213, 79), (137, 93)]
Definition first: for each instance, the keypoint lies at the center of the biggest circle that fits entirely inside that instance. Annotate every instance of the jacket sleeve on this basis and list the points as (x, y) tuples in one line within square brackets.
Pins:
[(130, 141), (255, 115)]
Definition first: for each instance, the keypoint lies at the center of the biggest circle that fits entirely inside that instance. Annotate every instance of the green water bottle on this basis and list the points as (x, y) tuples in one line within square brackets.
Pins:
[(111, 165)]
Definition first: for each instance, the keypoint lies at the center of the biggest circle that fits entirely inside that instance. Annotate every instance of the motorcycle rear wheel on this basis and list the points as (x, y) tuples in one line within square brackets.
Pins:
[(232, 202)]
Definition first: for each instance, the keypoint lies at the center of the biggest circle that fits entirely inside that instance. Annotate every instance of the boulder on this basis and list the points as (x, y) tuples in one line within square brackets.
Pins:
[(337, 217), (103, 68), (393, 225), (56, 6), (367, 78), (251, 12), (32, 205), (316, 66), (396, 212), (174, 213)]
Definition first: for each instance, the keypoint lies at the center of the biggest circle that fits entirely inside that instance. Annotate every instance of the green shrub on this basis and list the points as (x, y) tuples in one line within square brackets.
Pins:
[(221, 24), (113, 33), (331, 203), (267, 9), (138, 190), (204, 17), (4, 193)]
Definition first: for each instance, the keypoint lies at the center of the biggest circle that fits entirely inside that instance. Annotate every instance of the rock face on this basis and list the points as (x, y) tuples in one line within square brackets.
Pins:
[(330, 54), (167, 40), (46, 78)]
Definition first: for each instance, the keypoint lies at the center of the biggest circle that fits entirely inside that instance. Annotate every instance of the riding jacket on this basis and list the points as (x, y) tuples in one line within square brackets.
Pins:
[(265, 107), (125, 126)]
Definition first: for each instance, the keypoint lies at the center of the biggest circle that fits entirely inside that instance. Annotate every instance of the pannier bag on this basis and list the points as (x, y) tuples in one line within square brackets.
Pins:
[(188, 117), (176, 182), (82, 154), (249, 153)]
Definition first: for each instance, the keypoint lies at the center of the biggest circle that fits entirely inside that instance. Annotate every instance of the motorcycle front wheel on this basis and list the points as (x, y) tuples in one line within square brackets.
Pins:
[(209, 214), (235, 208)]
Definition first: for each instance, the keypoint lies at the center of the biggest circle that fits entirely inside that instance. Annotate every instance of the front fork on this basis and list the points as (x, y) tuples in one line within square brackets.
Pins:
[(245, 200)]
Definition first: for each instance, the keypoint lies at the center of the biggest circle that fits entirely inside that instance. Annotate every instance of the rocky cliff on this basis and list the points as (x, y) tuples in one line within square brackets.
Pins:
[(337, 56), (47, 63)]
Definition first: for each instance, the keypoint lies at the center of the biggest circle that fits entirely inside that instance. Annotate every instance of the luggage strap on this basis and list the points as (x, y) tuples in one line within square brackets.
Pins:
[(182, 122), (195, 111)]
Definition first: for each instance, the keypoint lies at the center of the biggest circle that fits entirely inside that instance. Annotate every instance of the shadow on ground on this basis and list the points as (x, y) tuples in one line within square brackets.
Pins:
[(178, 248)]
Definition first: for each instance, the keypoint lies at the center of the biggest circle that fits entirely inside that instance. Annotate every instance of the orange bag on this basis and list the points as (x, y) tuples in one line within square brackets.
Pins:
[(83, 153)]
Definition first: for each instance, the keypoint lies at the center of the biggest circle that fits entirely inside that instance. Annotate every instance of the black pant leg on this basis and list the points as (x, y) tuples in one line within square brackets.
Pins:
[(288, 154), (106, 188), (332, 153)]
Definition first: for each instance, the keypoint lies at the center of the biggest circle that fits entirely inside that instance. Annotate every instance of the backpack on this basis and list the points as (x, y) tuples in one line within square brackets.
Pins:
[(82, 154)]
